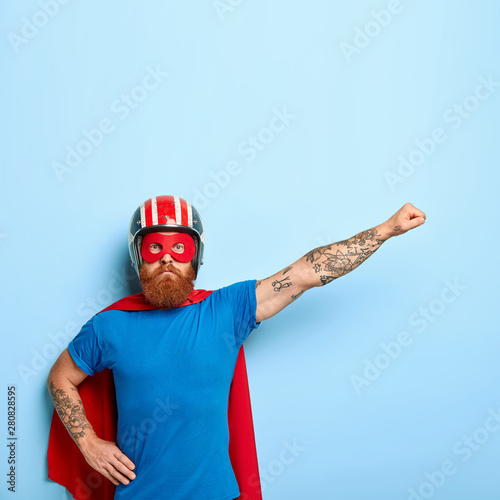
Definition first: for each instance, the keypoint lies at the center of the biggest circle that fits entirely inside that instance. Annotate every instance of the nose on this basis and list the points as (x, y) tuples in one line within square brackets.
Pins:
[(166, 259)]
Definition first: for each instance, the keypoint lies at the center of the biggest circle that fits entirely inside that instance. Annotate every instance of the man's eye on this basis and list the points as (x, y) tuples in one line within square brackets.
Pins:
[(155, 247), (179, 247)]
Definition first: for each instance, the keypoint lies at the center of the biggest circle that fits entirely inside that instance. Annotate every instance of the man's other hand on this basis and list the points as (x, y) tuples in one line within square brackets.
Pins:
[(105, 457)]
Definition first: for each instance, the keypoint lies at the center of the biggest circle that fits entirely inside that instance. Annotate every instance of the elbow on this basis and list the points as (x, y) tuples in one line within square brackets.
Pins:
[(309, 280), (49, 380), (306, 278), (52, 377)]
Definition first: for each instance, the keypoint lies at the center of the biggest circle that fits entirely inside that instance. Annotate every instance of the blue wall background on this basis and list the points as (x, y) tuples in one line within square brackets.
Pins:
[(363, 84)]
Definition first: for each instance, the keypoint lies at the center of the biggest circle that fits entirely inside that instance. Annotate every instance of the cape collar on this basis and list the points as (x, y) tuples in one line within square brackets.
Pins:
[(137, 302)]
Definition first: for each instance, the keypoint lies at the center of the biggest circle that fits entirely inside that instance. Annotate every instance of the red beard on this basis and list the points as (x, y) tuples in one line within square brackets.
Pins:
[(169, 290)]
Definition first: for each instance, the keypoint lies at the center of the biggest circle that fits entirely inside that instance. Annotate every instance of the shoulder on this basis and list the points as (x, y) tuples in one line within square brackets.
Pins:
[(111, 313), (236, 295), (112, 317), (236, 288)]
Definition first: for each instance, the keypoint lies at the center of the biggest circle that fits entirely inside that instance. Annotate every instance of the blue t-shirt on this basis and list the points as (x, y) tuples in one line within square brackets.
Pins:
[(173, 371)]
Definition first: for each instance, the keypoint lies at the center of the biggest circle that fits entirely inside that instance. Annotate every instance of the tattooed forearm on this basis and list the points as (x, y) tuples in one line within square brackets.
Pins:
[(70, 411), (340, 258)]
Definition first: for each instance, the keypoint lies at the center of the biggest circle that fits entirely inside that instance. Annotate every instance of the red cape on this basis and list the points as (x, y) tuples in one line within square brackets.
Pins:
[(68, 467)]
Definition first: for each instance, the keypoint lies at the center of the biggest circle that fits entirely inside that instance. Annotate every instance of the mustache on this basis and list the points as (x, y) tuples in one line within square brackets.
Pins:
[(168, 267)]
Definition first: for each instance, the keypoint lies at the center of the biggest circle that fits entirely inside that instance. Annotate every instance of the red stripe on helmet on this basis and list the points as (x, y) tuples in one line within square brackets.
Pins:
[(184, 212), (148, 213), (166, 208)]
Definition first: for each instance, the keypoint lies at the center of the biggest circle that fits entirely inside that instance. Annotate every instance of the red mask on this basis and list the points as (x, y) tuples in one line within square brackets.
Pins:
[(179, 246)]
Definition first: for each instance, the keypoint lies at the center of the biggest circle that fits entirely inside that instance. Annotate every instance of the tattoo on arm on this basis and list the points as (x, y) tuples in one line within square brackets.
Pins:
[(279, 284), (297, 295), (326, 279), (257, 283), (70, 411), (287, 269), (340, 258)]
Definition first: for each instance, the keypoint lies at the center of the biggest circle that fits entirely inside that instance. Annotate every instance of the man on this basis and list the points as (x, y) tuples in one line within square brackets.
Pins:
[(185, 355)]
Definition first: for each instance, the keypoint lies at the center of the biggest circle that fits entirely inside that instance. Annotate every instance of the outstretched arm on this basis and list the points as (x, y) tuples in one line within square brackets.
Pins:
[(324, 264)]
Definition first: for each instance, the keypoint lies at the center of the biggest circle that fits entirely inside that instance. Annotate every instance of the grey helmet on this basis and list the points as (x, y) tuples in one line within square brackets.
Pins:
[(157, 214)]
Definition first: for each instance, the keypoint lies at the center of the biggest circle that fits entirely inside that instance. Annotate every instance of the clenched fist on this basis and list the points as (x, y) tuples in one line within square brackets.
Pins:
[(406, 218)]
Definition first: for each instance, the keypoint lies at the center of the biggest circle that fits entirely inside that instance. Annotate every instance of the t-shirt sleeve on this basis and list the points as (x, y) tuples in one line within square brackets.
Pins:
[(85, 349), (242, 300)]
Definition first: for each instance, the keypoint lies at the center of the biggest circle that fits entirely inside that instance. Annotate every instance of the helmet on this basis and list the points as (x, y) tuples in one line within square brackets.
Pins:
[(153, 216)]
